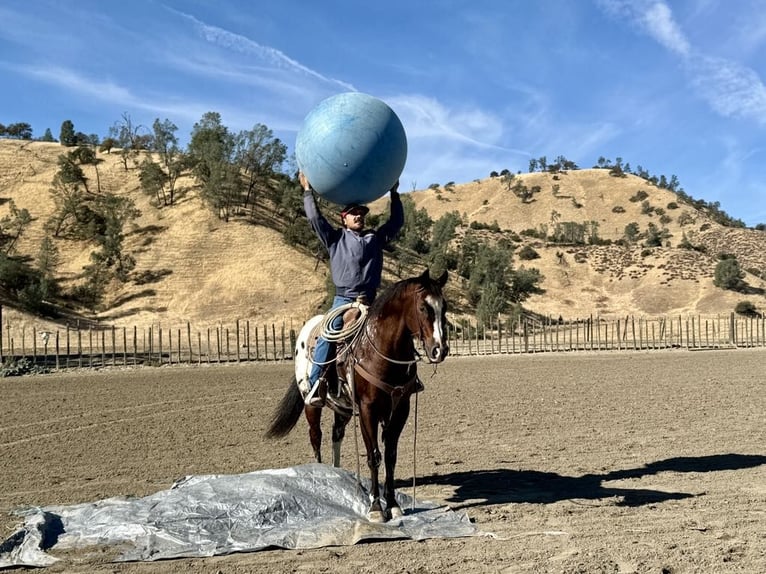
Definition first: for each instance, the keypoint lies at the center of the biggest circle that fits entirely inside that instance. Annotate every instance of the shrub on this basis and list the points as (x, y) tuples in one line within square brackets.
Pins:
[(672, 205), (18, 367), (746, 308), (646, 208), (528, 253), (618, 209), (531, 232), (728, 274), (640, 195)]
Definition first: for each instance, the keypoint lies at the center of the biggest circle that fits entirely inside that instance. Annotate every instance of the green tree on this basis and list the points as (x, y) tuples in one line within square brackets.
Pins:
[(728, 274), (492, 266), (440, 256), (632, 232), (12, 226), (416, 233), (47, 136), (153, 180), (107, 144), (21, 131), (258, 154), (117, 212), (47, 262), (67, 135), (210, 154), (525, 282), (70, 171), (171, 165)]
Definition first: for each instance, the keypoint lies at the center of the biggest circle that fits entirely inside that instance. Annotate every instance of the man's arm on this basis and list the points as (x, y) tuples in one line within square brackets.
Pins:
[(388, 231), (322, 228)]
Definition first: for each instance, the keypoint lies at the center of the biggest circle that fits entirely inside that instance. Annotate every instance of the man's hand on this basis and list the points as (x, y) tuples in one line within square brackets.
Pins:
[(304, 182)]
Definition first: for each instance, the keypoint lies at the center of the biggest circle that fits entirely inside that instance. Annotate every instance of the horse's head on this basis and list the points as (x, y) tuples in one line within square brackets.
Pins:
[(428, 316)]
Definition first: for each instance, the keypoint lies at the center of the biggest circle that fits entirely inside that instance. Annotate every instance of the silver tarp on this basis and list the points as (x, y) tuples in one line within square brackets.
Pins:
[(307, 506)]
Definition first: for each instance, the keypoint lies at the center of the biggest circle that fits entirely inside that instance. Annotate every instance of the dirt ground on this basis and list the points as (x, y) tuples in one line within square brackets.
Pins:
[(577, 463)]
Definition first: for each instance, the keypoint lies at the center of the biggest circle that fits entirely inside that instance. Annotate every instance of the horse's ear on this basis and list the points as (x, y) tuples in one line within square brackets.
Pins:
[(424, 277), (442, 280)]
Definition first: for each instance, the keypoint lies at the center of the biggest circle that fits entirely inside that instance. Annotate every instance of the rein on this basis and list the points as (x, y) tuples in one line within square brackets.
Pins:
[(381, 355)]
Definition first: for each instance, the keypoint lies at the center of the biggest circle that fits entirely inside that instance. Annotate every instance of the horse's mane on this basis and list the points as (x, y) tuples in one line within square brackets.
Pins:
[(396, 291)]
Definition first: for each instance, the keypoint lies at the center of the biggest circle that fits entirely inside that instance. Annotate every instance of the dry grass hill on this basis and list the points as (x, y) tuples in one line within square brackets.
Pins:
[(192, 266)]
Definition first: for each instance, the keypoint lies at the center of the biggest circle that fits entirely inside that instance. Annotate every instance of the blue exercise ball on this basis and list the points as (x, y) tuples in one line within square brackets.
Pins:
[(352, 148)]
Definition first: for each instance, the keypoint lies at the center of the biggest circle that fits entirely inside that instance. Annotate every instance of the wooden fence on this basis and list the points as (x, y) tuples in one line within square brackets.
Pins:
[(599, 334), (246, 340)]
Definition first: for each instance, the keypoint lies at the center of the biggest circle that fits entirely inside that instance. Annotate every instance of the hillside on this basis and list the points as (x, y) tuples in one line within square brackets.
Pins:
[(189, 264), (609, 280), (192, 266)]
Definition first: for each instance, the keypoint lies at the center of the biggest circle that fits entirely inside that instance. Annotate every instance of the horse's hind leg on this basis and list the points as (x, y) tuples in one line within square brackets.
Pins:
[(338, 433), (314, 418)]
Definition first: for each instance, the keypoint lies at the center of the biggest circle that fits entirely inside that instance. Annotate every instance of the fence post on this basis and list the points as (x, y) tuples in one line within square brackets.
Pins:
[(247, 339), (274, 339), (57, 349)]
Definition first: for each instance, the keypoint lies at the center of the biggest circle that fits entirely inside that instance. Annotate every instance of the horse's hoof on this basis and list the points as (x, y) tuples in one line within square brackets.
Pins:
[(396, 513), (376, 516)]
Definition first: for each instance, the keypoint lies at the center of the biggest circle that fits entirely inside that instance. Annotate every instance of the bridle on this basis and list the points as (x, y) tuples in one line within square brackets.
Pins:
[(421, 338)]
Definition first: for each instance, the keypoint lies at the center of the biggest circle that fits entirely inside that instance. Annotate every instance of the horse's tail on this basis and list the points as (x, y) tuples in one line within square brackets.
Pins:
[(287, 413)]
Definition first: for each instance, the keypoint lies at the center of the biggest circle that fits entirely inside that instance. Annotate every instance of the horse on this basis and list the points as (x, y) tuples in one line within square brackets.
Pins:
[(379, 365)]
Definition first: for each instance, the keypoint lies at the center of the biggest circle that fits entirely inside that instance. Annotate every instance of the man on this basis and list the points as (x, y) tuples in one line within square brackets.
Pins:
[(356, 265)]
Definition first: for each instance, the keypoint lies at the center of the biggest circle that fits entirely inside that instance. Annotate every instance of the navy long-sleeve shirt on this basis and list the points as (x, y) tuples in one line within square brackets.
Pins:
[(356, 259)]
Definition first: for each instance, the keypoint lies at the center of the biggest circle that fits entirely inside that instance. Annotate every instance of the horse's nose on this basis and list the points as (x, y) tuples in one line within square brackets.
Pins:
[(439, 353)]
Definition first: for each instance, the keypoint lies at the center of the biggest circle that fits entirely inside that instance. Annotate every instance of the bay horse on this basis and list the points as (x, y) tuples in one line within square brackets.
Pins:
[(380, 367)]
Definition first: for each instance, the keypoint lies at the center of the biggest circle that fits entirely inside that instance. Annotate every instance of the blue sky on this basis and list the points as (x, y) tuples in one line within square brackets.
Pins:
[(674, 86)]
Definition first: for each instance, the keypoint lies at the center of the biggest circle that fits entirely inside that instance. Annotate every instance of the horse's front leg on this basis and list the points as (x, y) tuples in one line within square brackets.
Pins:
[(391, 436), (369, 427), (314, 418)]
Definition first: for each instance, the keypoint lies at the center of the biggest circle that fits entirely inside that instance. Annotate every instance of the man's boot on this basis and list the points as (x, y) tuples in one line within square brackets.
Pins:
[(317, 393)]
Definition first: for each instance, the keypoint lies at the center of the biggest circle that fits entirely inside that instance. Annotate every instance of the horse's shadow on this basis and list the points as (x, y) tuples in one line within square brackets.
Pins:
[(505, 486)]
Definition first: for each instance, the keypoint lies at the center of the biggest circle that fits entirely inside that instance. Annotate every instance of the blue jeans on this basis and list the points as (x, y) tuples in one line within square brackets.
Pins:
[(325, 350)]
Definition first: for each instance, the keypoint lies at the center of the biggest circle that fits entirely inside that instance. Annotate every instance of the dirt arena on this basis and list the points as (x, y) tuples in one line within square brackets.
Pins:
[(577, 463)]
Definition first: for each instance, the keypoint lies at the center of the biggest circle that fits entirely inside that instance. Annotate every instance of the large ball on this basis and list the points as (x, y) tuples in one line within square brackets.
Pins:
[(352, 148)]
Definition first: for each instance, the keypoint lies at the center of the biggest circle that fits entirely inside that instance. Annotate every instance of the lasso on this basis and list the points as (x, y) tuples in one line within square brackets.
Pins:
[(329, 333)]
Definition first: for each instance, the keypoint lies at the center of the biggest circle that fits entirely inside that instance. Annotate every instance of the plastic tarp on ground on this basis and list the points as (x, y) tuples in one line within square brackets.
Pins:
[(307, 506)]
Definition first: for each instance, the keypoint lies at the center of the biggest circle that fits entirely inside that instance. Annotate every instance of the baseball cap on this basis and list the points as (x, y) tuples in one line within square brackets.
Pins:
[(355, 207)]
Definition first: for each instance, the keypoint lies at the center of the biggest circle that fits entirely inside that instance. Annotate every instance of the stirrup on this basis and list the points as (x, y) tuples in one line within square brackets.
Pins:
[(419, 386), (317, 393)]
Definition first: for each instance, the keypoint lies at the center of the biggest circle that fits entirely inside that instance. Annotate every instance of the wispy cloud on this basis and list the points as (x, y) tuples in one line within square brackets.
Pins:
[(731, 89), (427, 117), (69, 79), (653, 17), (268, 55)]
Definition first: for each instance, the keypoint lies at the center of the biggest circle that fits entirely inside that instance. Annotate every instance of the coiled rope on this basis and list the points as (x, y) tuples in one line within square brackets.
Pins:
[(329, 333)]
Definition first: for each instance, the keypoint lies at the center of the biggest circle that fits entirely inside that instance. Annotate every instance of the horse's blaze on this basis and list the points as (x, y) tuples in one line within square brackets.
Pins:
[(437, 304)]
